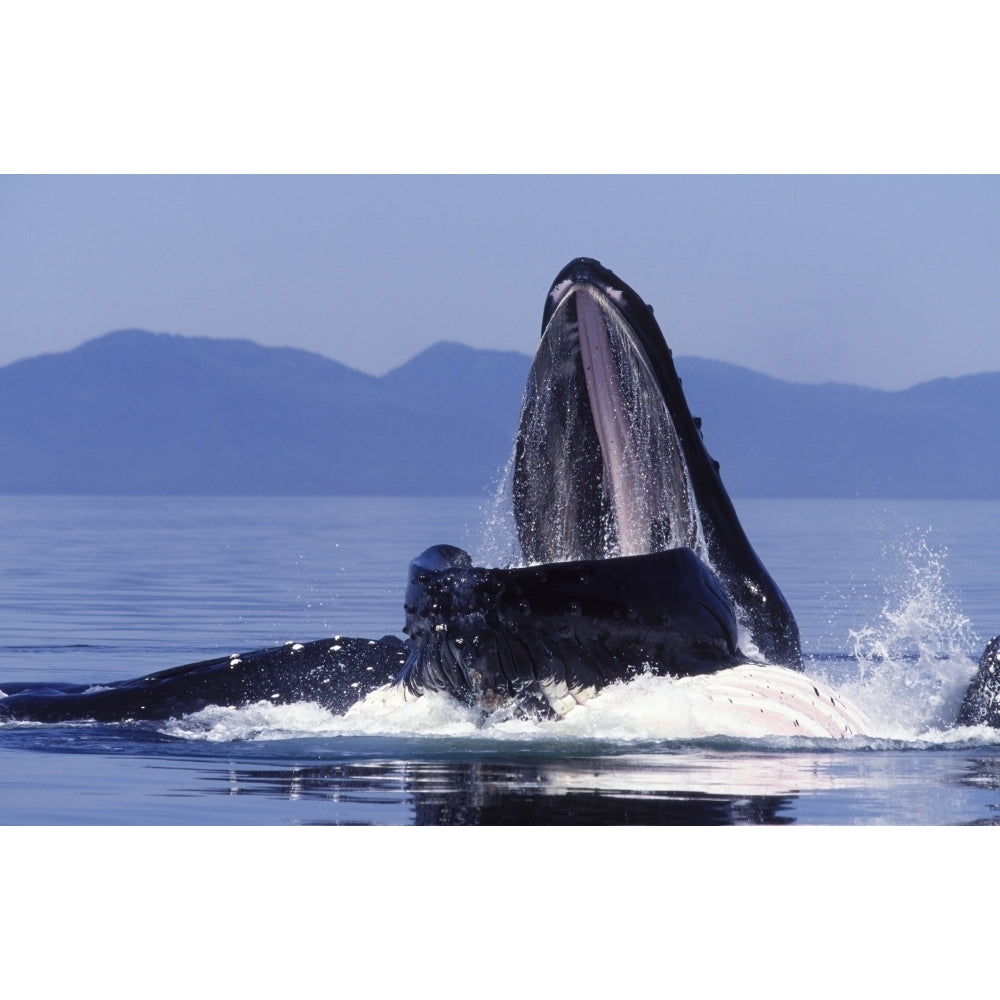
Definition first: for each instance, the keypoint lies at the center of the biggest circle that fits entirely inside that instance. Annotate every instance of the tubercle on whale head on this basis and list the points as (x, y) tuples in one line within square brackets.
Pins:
[(430, 589)]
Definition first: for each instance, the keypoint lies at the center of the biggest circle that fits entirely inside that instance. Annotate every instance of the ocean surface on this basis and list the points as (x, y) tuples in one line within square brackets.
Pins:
[(895, 601)]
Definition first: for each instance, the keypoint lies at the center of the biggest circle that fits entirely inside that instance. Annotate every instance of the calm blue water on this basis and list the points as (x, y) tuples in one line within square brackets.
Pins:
[(894, 601)]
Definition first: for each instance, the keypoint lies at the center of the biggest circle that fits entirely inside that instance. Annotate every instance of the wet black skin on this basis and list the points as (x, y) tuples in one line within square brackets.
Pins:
[(335, 672), (981, 705)]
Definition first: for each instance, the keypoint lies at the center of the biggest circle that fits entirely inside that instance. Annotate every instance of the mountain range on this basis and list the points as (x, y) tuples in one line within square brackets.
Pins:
[(134, 412)]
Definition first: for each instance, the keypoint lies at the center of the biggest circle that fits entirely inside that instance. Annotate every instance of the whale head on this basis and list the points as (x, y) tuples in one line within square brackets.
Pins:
[(609, 461)]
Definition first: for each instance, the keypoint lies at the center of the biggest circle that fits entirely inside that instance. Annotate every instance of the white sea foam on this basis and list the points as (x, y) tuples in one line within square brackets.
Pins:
[(388, 711)]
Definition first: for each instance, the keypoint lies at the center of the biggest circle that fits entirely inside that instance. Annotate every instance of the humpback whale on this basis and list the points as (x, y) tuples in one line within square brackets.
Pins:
[(632, 560)]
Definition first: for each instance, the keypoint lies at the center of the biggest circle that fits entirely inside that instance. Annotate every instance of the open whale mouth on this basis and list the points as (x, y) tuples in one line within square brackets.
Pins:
[(599, 468)]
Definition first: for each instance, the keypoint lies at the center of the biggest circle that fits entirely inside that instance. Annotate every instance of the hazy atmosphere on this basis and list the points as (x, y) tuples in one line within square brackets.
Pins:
[(882, 281)]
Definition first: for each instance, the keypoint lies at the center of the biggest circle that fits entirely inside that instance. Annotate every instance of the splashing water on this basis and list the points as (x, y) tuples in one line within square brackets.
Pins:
[(914, 663), (499, 546)]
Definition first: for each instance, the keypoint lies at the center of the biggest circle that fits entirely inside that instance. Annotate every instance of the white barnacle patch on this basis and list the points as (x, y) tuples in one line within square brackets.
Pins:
[(336, 649), (234, 661), (297, 646)]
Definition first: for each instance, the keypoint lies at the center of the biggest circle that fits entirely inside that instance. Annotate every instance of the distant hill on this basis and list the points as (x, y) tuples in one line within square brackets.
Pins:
[(139, 412), (783, 439)]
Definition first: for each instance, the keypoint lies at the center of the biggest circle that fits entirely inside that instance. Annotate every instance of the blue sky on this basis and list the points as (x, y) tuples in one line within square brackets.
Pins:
[(879, 280)]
